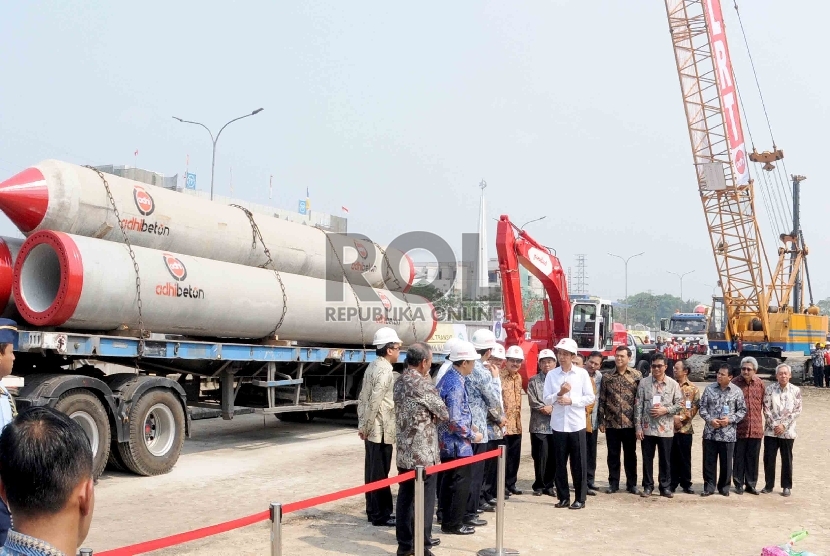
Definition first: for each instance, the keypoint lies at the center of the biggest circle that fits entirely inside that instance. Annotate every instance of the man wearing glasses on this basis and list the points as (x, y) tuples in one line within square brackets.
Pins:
[(376, 424), (658, 401), (750, 429)]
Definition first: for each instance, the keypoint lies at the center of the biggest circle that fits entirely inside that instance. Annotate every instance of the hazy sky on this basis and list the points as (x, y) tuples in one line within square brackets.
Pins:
[(569, 109)]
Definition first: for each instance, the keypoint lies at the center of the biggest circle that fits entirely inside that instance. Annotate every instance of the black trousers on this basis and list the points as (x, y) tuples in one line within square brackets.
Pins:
[(772, 446), (377, 463), (591, 449), (624, 440), (745, 468), (476, 481), (681, 461), (663, 446), (827, 377), (714, 452), (405, 517), (570, 446), (818, 376), (5, 521), (544, 460), (491, 471), (455, 489), (513, 457)]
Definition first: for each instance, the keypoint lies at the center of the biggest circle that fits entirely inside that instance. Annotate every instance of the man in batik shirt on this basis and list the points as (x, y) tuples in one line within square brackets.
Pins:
[(782, 406), (722, 407), (681, 448), (418, 407), (750, 429)]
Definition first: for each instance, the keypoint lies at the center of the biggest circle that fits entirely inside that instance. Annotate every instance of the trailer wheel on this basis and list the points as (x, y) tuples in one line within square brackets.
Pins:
[(156, 433), (115, 463), (88, 411)]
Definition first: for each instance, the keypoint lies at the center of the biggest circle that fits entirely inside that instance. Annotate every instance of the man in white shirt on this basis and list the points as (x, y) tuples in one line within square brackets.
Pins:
[(569, 390)]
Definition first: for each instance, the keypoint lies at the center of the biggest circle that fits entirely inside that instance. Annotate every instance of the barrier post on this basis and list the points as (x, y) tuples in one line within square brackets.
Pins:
[(85, 552), (499, 550), (276, 529), (419, 509)]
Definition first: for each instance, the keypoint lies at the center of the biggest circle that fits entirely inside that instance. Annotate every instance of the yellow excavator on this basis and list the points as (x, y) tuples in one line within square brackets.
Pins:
[(762, 311)]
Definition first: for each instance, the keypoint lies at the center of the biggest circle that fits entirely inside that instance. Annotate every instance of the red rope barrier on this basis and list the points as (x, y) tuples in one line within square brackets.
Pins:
[(196, 534)]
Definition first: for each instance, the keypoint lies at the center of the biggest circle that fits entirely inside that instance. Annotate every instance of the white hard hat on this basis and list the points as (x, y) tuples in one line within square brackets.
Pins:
[(385, 336), (567, 344), (463, 351), (547, 354), (484, 339), (515, 352), (447, 347), (498, 352)]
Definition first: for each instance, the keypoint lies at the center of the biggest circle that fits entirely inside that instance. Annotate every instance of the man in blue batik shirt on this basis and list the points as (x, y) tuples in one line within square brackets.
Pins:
[(485, 405), (454, 438)]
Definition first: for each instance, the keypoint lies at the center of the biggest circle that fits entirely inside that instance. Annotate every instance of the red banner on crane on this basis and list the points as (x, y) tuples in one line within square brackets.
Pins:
[(727, 90)]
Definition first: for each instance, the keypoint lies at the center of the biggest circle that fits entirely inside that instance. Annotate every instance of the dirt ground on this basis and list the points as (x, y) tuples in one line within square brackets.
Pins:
[(233, 469)]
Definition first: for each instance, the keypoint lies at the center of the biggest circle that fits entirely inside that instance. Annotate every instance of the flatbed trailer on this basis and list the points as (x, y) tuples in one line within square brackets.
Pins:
[(138, 415)]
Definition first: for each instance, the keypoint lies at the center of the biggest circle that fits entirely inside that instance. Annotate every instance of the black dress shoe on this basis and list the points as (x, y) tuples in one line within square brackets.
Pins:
[(562, 504), (506, 494), (786, 492), (487, 508), (666, 493), (706, 493), (463, 530), (474, 522), (591, 492), (688, 490), (592, 486), (492, 501), (577, 505), (388, 522), (434, 541), (751, 490), (725, 492), (611, 490), (537, 493), (514, 490), (739, 491), (646, 492), (766, 490), (549, 491), (633, 490)]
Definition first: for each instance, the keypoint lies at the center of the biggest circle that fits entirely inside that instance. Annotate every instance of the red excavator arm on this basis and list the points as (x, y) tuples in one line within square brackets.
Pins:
[(514, 246)]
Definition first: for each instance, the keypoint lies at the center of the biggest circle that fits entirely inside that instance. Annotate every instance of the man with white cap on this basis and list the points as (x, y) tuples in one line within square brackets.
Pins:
[(569, 390), (485, 405), (541, 435), (455, 436), (495, 433), (445, 366), (376, 423)]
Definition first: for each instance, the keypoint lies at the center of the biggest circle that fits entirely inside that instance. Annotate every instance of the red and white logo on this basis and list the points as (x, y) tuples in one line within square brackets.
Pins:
[(143, 201), (175, 267), (385, 301), (361, 250)]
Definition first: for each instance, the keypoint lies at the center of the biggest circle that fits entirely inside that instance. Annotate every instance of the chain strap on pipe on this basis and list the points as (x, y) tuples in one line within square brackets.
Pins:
[(400, 289), (354, 293), (257, 235), (142, 332)]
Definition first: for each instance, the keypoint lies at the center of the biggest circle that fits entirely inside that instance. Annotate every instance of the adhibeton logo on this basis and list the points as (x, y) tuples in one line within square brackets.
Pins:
[(143, 201), (178, 271)]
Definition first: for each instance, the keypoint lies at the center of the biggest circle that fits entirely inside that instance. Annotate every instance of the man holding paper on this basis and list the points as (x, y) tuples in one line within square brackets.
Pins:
[(658, 401), (569, 390)]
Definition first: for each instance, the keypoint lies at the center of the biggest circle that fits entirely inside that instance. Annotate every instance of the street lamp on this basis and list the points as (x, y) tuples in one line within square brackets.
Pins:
[(681, 281), (215, 139), (625, 260), (522, 227)]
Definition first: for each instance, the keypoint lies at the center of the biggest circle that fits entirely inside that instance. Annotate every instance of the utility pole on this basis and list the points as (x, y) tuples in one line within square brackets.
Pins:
[(797, 235), (625, 260), (681, 281)]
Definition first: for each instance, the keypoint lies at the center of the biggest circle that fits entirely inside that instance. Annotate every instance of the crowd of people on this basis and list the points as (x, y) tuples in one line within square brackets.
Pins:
[(820, 359), (473, 404)]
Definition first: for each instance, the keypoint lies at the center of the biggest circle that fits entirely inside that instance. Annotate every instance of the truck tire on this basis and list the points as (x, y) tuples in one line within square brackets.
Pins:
[(87, 410), (156, 433), (115, 463), (698, 364), (644, 367)]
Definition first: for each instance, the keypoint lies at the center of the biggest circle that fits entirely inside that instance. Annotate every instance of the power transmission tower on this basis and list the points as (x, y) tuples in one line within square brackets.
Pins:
[(570, 281), (581, 286)]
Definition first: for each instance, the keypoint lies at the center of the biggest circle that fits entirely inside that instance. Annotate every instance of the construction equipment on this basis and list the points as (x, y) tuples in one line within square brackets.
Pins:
[(588, 320), (764, 315)]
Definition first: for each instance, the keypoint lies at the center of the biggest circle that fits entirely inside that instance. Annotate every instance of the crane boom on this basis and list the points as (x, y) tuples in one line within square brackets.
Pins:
[(726, 189)]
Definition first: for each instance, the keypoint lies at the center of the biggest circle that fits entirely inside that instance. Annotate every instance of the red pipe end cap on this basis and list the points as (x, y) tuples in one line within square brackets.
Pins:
[(24, 198), (6, 274)]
